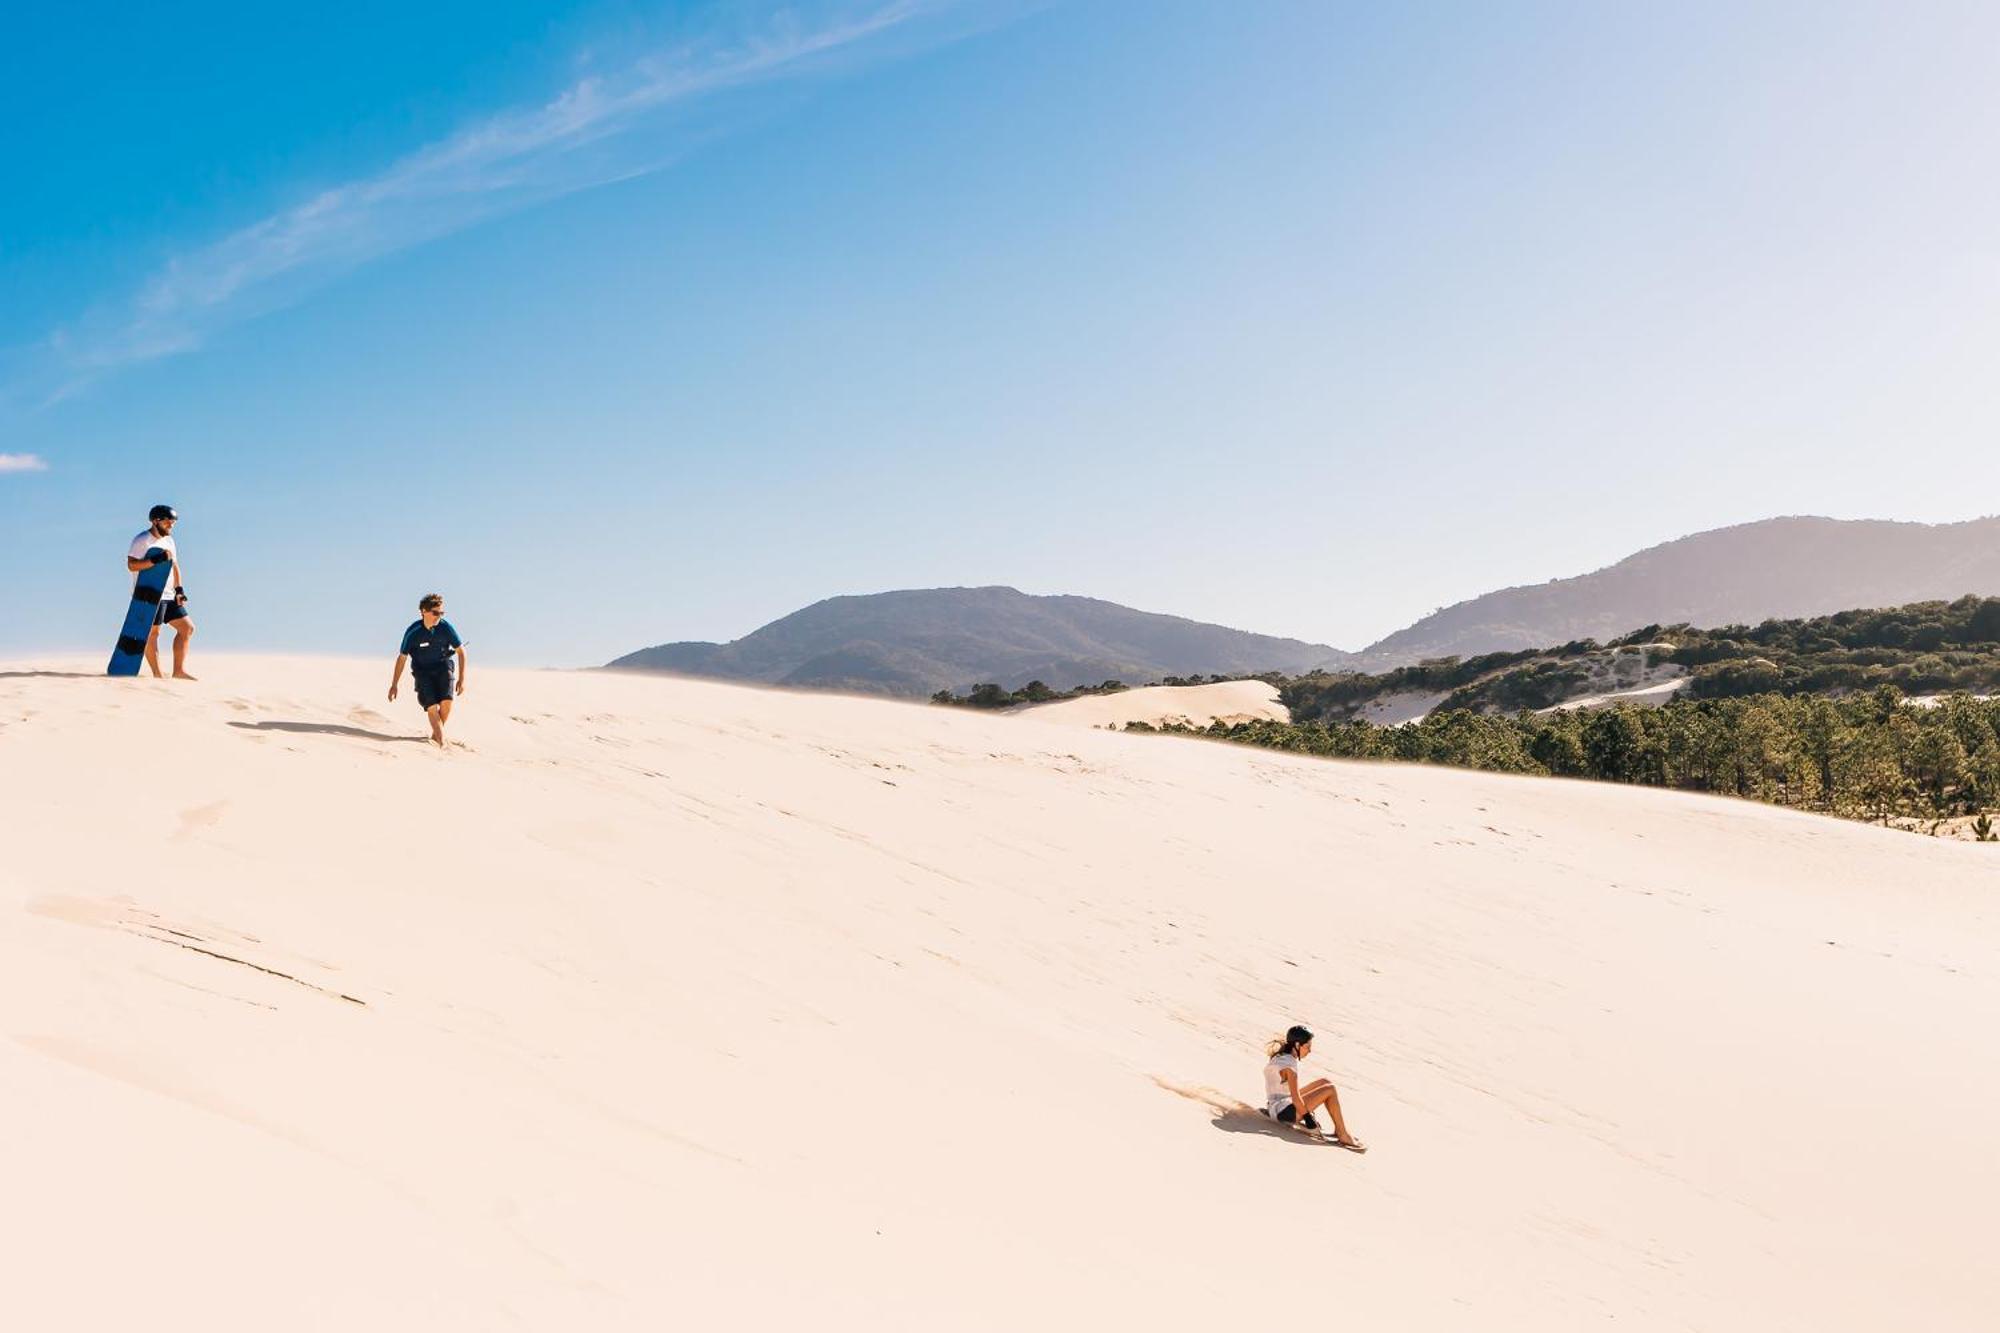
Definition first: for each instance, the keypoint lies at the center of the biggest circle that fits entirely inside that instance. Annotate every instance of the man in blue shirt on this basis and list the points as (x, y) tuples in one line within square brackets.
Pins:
[(428, 646)]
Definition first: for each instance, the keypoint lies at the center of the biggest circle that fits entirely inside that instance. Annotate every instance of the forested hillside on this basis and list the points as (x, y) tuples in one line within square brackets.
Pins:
[(1924, 648), (1878, 715)]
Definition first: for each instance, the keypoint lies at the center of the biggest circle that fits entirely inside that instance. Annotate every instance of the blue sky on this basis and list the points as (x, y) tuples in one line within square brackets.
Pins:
[(628, 322)]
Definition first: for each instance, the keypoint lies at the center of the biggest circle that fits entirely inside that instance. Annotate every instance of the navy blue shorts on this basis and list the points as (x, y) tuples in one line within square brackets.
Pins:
[(433, 685), (169, 611)]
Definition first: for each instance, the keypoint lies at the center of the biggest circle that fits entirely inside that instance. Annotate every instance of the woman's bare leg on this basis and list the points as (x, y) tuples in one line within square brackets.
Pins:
[(1329, 1097)]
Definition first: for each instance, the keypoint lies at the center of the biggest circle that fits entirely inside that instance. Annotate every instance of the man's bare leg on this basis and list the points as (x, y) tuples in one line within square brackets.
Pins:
[(437, 724), (153, 649), (183, 631)]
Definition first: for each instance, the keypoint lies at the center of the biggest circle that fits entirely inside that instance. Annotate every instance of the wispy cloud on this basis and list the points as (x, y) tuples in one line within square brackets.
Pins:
[(22, 463), (600, 129)]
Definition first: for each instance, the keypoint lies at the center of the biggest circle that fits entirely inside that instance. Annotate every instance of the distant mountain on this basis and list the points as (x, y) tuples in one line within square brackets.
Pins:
[(915, 643), (1775, 569)]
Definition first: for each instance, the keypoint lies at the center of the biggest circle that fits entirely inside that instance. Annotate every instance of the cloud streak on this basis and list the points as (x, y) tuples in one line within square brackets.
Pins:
[(22, 463), (600, 129)]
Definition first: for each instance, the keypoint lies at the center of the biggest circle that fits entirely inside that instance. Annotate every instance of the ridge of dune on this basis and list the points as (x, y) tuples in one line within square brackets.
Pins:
[(666, 1001)]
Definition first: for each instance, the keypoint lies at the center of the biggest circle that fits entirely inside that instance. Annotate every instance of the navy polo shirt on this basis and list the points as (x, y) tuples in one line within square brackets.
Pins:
[(430, 649)]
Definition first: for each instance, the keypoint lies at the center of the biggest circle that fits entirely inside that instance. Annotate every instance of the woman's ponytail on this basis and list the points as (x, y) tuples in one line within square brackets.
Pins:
[(1295, 1036)]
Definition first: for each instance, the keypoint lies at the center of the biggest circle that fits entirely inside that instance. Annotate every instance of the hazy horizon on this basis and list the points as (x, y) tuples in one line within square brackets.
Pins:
[(623, 323)]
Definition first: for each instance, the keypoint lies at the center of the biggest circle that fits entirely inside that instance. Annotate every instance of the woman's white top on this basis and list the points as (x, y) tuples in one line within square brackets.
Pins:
[(1275, 1091)]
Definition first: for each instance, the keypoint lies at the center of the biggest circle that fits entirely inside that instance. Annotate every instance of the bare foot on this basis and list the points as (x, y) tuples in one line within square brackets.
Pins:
[(182, 675)]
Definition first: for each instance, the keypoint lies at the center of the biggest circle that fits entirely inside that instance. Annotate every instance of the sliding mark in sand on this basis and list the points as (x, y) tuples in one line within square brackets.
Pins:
[(208, 941)]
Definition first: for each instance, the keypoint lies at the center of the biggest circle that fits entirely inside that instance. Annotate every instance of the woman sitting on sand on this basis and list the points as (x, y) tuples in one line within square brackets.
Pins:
[(1288, 1103)]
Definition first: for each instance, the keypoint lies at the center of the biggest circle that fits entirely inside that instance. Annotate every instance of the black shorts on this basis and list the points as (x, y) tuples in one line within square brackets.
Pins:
[(1288, 1114), (169, 611), (433, 685)]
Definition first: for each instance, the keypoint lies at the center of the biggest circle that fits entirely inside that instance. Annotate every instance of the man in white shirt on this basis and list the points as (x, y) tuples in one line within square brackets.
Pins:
[(159, 534)]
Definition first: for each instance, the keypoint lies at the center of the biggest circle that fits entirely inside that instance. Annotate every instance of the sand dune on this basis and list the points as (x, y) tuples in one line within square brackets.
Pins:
[(1229, 701), (670, 1004), (1395, 710), (1656, 695)]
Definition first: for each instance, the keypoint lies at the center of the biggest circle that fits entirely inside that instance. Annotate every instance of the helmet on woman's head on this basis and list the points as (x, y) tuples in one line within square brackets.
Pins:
[(1298, 1035)]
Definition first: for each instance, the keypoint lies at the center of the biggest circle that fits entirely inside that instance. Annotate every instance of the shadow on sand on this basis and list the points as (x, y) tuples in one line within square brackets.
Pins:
[(327, 729), (1234, 1117), (1246, 1120)]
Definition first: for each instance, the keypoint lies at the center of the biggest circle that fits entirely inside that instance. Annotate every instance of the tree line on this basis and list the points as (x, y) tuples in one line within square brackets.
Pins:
[(1873, 755), (991, 695)]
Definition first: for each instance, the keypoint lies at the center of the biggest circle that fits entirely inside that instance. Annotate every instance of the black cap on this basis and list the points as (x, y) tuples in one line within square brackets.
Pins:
[(160, 512)]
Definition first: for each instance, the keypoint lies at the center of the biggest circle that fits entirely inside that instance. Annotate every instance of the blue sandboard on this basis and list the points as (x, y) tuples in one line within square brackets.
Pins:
[(130, 654)]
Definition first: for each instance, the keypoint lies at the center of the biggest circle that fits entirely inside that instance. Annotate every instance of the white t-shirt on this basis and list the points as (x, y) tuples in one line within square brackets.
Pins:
[(145, 542), (1274, 1080)]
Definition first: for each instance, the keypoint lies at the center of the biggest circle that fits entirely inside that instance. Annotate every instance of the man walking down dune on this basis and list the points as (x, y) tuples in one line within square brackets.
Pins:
[(173, 610), (428, 646)]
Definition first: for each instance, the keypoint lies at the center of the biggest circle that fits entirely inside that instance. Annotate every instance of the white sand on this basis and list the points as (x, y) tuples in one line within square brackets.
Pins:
[(1395, 710), (1645, 696), (1229, 701), (677, 1005)]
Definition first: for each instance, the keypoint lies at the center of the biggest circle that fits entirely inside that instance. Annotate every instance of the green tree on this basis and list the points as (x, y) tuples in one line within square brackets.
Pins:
[(1821, 732), (1938, 766), (1760, 751), (1870, 775), (1557, 748), (1983, 772), (1614, 745)]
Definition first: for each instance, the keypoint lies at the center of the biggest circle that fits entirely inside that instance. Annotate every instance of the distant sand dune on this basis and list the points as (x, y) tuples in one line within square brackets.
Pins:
[(1394, 710), (669, 1004), (1646, 696), (1229, 701)]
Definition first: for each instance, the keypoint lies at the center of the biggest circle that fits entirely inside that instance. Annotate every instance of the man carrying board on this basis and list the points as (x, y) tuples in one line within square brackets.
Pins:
[(159, 536)]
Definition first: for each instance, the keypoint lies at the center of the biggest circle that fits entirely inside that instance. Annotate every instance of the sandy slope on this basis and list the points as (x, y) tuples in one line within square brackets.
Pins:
[(1159, 705), (672, 1004), (1645, 696), (1394, 710)]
